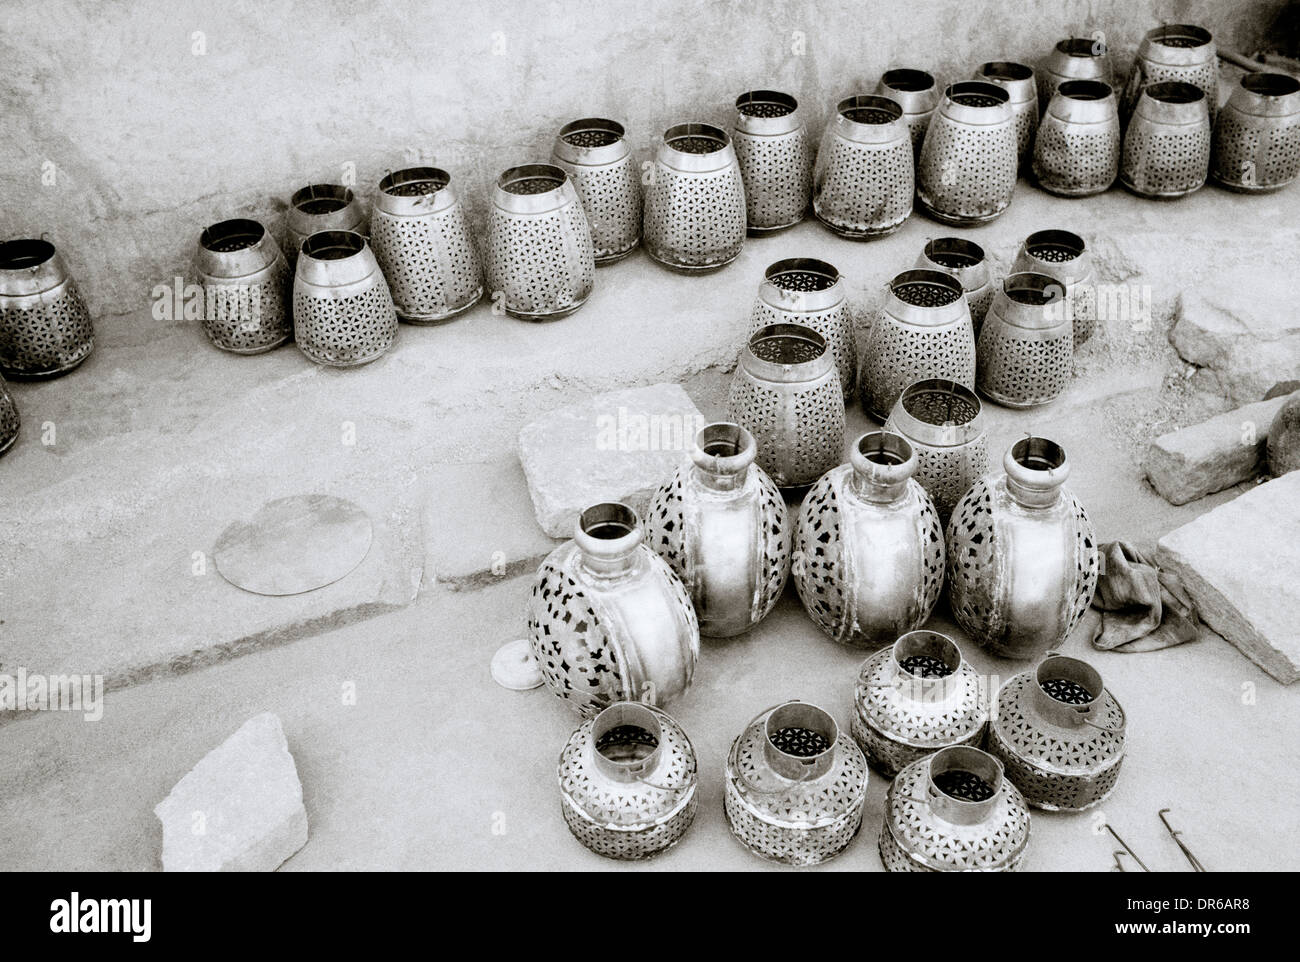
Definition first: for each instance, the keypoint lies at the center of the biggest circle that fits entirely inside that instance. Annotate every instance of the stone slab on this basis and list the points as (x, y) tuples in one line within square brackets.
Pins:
[(1194, 461), (616, 446), (239, 809), (1239, 562)]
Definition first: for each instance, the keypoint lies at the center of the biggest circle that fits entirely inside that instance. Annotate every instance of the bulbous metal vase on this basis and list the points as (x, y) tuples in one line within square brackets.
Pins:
[(1257, 134), (775, 157), (964, 260), (968, 166), (1026, 347), (9, 420), (801, 290), (1063, 255), (45, 329), (596, 156), (954, 811), (785, 392), (246, 286), (539, 261), (918, 94), (343, 315), (914, 698), (869, 549), (1167, 145), (1074, 58), (943, 422), (865, 177), (627, 782), (1178, 52), (1022, 555), (319, 207), (795, 785), (695, 216), (1077, 150), (608, 620), (1060, 734), (722, 526), (424, 245), (923, 330), (1017, 79)]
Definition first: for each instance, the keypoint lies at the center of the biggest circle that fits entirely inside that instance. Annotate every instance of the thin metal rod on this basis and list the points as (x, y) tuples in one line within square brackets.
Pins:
[(1127, 848), (1195, 862)]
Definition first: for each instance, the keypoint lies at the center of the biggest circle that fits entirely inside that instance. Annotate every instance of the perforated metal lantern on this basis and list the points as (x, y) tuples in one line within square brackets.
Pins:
[(1022, 555), (1017, 79), (864, 179), (1077, 149), (1063, 255), (923, 330), (1257, 134), (9, 420), (628, 782), (1060, 733), (1074, 58), (1167, 143), (45, 329), (964, 260), (967, 171), (695, 218), (802, 290), (915, 697), (245, 281), (608, 620), (954, 811), (1179, 53), (776, 159), (785, 392), (596, 156), (424, 246), (869, 549), (319, 207), (918, 94), (942, 420), (722, 526), (795, 785), (1026, 346), (343, 315), (539, 262)]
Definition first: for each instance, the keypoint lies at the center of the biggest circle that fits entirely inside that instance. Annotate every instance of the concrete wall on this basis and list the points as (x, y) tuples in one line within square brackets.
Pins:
[(130, 126)]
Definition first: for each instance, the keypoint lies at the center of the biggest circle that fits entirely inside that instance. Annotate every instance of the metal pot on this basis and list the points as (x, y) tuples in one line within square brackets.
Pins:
[(596, 156), (1167, 144), (627, 782), (1022, 555), (1257, 134), (864, 179), (722, 526), (45, 329), (795, 786), (1177, 52), (954, 811), (343, 315), (801, 290), (968, 166), (964, 260), (923, 330), (245, 283), (540, 263), (1060, 734), (1074, 58), (1017, 79), (869, 551), (914, 698), (607, 618), (319, 207), (786, 393), (1026, 347), (1076, 152), (9, 420), (775, 157), (918, 94), (943, 422), (695, 216), (423, 244), (1063, 255)]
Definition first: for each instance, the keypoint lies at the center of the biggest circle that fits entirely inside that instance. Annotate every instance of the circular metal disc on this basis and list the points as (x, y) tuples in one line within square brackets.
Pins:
[(514, 667), (294, 545)]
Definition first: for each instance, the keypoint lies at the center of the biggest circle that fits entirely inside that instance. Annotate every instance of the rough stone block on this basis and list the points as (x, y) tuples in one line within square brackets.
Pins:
[(1239, 562), (1227, 449), (239, 809), (616, 446)]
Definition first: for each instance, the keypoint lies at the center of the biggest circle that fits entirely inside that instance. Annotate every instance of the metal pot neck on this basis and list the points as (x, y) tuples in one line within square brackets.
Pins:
[(913, 90), (911, 293), (627, 714), (1084, 102), (799, 715), (436, 196), (882, 464), (722, 453), (1266, 95), (1178, 45), (591, 142), (678, 150), (787, 354), (955, 408), (1033, 301), (800, 285), (918, 687), (870, 119), (258, 250), (976, 103), (345, 212), (1042, 253), (608, 536), (1057, 669), (29, 266), (1036, 468), (962, 258), (767, 113), (546, 188), (335, 258), (960, 811), (1015, 78), (1174, 103)]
